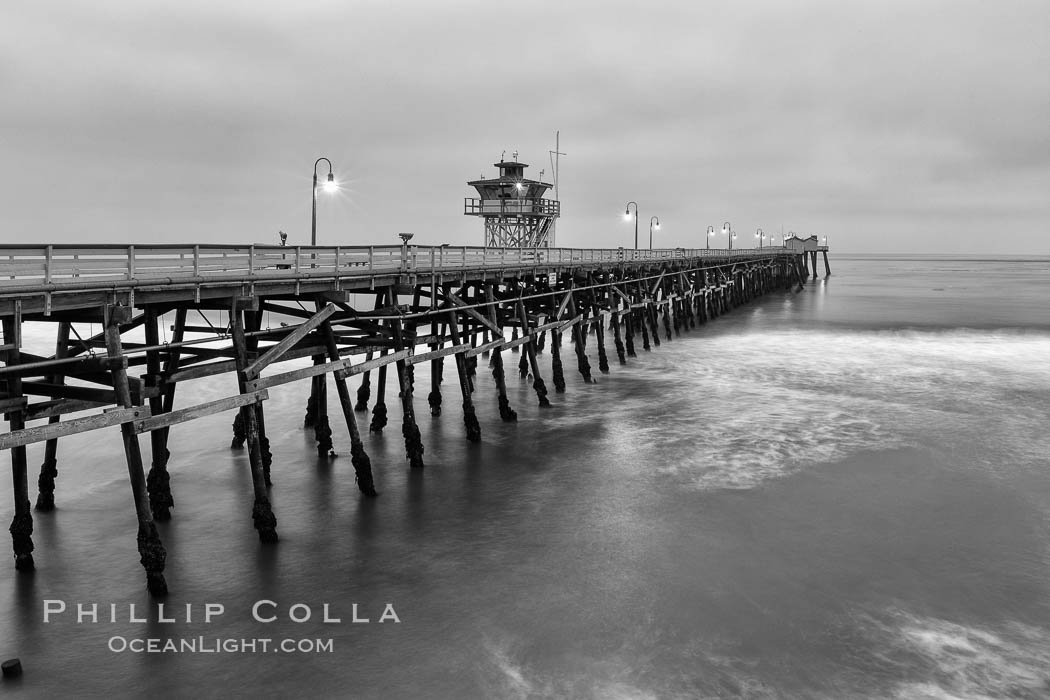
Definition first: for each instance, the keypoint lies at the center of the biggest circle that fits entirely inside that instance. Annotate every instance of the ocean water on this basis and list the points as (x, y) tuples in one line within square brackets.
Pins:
[(839, 493)]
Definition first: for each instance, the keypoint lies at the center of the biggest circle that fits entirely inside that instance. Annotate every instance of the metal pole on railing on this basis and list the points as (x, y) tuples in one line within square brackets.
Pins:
[(405, 238)]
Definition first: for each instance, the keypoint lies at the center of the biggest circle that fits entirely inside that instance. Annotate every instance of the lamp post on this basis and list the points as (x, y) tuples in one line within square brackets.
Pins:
[(651, 220), (727, 230), (759, 235), (627, 215), (329, 186), (710, 232)]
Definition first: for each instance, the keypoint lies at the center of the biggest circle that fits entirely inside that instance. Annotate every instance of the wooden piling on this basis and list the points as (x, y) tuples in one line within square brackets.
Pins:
[(262, 512), (358, 456), (22, 524), (158, 481), (409, 429), (628, 329), (599, 334), (253, 322), (437, 366), (578, 337), (151, 552), (322, 426), (643, 318), (614, 321), (650, 314), (379, 412), (364, 390), (470, 418), (557, 370), (506, 413), (537, 381), (45, 497)]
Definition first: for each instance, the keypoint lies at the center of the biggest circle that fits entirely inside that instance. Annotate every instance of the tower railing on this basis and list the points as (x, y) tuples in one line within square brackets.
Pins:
[(511, 206)]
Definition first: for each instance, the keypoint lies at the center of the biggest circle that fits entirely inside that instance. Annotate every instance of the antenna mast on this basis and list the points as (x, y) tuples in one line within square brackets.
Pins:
[(555, 156)]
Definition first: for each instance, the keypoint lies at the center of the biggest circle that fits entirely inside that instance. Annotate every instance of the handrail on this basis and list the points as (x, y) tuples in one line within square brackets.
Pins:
[(68, 266)]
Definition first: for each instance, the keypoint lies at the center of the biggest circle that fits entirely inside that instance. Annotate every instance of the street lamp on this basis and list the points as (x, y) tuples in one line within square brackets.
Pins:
[(651, 220), (726, 229), (627, 216), (329, 186), (710, 232), (759, 235)]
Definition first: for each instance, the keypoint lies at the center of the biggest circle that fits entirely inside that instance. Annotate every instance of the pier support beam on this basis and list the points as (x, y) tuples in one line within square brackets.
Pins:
[(628, 329), (262, 512), (45, 496), (358, 457), (322, 426), (643, 323), (171, 364), (827, 268), (579, 338), (557, 370), (654, 327), (506, 413), (599, 333), (151, 552), (409, 429), (365, 389), (379, 413), (253, 322), (437, 367), (158, 481), (22, 524), (537, 381), (614, 321), (470, 417)]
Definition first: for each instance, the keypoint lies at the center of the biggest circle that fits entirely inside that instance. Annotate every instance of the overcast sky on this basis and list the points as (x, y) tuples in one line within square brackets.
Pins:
[(897, 126)]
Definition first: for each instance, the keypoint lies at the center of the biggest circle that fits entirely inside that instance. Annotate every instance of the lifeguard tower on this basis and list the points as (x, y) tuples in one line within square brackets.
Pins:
[(515, 212)]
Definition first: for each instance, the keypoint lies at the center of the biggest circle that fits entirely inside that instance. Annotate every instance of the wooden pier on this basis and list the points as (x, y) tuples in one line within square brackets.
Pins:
[(424, 303)]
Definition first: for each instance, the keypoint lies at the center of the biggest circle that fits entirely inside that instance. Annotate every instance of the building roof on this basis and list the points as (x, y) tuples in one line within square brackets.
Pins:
[(507, 182)]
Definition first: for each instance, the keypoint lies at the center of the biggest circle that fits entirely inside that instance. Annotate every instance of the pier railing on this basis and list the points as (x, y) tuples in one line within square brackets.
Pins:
[(75, 265)]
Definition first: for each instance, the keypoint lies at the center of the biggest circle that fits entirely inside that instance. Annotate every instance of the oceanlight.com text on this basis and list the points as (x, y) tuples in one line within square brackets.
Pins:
[(219, 645)]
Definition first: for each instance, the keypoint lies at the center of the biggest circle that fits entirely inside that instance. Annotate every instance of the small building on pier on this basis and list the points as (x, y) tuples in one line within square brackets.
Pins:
[(515, 211), (802, 245)]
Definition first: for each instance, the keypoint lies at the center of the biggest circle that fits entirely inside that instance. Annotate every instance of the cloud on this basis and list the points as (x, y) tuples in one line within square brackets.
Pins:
[(201, 120)]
